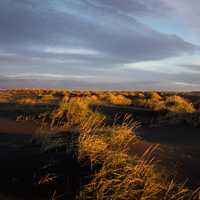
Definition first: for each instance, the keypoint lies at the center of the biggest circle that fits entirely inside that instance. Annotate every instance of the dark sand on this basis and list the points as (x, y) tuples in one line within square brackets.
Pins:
[(179, 150)]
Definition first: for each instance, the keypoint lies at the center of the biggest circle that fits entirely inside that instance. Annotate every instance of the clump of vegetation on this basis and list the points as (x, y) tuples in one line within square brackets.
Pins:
[(178, 104), (30, 97), (114, 173), (121, 176), (154, 95), (5, 97), (171, 103), (36, 100), (124, 177), (116, 99), (72, 114), (153, 101), (27, 101)]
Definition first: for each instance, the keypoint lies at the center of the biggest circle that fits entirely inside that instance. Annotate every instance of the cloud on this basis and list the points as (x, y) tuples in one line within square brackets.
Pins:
[(83, 39), (70, 51), (131, 7), (42, 29), (47, 76), (84, 84), (188, 11), (192, 67)]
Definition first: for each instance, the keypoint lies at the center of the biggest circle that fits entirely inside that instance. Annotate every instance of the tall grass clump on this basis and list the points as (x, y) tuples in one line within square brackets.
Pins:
[(153, 101), (116, 99), (114, 173), (176, 103), (117, 175), (75, 113), (172, 103)]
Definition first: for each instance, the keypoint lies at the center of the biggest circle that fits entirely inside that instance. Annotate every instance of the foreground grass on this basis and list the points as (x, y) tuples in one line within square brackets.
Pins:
[(113, 173)]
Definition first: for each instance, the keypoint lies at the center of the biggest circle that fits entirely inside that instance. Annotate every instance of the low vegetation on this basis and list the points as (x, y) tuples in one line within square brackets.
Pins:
[(171, 103), (178, 104), (114, 174), (104, 147), (116, 99)]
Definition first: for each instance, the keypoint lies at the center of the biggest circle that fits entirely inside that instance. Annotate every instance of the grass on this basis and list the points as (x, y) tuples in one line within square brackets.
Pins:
[(121, 176), (169, 103), (157, 101), (176, 103), (114, 173), (116, 99), (74, 113)]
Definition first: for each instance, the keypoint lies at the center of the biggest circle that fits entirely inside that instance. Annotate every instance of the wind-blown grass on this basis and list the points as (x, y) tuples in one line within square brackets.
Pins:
[(114, 173)]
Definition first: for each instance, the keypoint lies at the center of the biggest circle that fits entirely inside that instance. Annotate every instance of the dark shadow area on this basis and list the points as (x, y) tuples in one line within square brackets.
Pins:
[(112, 111), (181, 134), (179, 142), (24, 164), (12, 110)]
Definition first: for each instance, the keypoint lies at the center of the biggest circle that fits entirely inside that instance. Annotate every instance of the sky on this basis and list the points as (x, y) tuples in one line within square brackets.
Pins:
[(100, 44)]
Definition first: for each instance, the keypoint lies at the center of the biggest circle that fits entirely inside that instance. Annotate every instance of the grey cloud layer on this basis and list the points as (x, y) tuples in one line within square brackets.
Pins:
[(109, 29), (188, 10), (192, 67), (183, 81), (28, 27)]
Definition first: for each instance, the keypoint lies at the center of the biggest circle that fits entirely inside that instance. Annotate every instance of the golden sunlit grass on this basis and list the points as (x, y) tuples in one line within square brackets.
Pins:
[(171, 103), (114, 173), (178, 104), (75, 113), (121, 176), (116, 99), (27, 101), (5, 97), (32, 97), (152, 100)]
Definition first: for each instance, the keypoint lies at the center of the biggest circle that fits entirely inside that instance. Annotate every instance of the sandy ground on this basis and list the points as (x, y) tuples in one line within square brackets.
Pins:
[(13, 127), (179, 148), (178, 151), (17, 161)]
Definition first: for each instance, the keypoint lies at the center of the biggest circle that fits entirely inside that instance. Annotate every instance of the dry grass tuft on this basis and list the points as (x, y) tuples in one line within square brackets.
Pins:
[(151, 103), (172, 103), (72, 114), (6, 97), (116, 99), (27, 101), (114, 173), (178, 104)]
